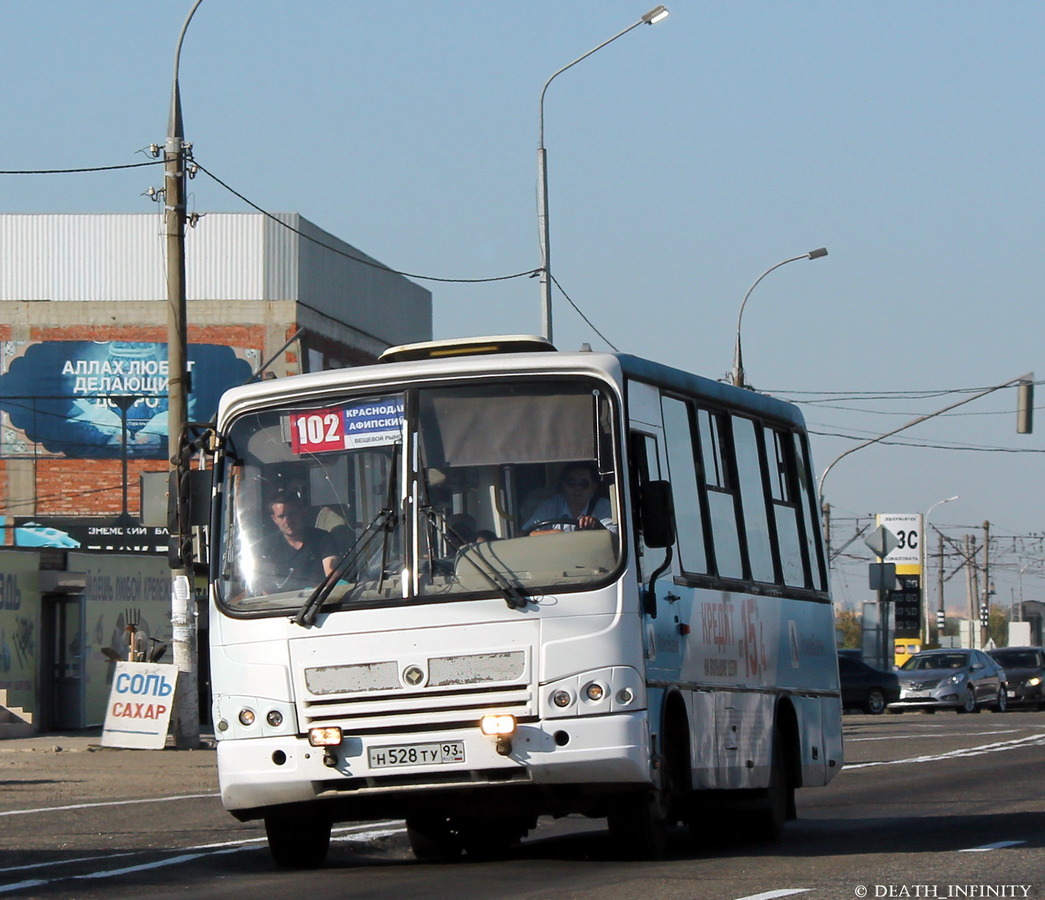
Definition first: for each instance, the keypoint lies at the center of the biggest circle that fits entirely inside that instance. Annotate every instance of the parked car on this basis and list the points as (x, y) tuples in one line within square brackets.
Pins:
[(1025, 671), (962, 680), (865, 687)]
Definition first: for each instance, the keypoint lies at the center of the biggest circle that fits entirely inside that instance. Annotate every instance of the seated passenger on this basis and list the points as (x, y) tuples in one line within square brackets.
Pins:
[(576, 506)]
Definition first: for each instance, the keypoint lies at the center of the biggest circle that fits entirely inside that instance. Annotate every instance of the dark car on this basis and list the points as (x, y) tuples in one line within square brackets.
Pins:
[(865, 687), (1025, 674), (962, 680)]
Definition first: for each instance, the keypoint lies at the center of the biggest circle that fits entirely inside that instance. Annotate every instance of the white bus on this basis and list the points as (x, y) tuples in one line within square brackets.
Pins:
[(460, 645)]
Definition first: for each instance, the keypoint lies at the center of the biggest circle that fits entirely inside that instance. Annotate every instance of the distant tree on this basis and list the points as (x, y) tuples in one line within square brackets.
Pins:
[(848, 625), (998, 626)]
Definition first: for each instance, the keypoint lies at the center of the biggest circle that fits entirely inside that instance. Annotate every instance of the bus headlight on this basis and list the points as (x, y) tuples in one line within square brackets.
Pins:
[(326, 736), (246, 716), (597, 692), (594, 691), (562, 699), (497, 725)]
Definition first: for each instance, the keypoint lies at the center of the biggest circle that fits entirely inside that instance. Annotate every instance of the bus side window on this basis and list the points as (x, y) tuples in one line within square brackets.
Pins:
[(718, 476), (784, 494), (753, 497), (810, 513), (685, 488)]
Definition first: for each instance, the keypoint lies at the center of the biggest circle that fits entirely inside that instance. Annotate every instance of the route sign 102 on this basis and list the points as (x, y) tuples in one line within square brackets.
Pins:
[(907, 606)]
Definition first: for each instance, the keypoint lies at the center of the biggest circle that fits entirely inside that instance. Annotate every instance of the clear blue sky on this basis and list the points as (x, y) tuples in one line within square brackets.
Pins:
[(684, 159)]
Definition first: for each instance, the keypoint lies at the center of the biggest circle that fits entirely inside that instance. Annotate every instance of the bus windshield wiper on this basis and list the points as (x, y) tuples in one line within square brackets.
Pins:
[(382, 522), (514, 597)]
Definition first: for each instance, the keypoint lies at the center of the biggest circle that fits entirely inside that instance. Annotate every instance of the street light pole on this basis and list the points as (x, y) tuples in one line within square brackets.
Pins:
[(657, 14), (185, 714), (1022, 379), (738, 361)]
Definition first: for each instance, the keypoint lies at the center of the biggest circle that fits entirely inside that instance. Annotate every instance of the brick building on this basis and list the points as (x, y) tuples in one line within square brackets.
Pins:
[(83, 399), (83, 329)]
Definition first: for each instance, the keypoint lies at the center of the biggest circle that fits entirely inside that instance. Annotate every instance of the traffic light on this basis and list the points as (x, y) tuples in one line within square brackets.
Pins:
[(985, 615), (941, 620)]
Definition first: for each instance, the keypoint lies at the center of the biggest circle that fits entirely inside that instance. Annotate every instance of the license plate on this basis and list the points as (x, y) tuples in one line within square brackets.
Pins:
[(1011, 693), (438, 754), (916, 695)]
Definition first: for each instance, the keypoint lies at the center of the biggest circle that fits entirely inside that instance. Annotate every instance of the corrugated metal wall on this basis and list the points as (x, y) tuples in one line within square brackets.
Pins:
[(229, 256)]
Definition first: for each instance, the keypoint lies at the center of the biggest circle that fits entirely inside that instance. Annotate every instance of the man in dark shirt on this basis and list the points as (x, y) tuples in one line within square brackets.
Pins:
[(299, 554)]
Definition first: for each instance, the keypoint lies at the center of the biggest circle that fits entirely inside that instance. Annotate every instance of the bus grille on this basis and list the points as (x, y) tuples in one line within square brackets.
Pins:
[(452, 691)]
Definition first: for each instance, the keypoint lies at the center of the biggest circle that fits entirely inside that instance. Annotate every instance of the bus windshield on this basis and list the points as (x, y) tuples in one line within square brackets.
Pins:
[(500, 488)]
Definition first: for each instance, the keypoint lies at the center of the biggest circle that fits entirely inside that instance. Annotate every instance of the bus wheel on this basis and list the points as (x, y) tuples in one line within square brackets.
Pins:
[(639, 824), (433, 837), (297, 842), (768, 818)]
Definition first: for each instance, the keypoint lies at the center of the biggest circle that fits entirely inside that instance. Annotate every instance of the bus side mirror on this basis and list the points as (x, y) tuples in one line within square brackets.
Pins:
[(657, 514)]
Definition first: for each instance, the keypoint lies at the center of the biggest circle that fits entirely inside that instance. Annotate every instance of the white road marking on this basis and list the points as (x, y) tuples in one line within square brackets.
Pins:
[(998, 845), (47, 809), (1032, 741), (355, 833), (769, 895)]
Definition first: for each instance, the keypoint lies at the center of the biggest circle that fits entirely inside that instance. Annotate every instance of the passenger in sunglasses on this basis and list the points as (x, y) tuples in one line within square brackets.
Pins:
[(576, 507)]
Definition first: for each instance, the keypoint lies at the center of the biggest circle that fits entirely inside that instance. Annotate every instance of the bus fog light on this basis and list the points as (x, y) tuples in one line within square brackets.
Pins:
[(328, 736), (625, 696), (274, 717), (594, 692), (246, 717), (562, 699), (500, 725)]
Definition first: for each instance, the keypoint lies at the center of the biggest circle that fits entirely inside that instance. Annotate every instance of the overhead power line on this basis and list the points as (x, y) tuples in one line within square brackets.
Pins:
[(529, 273), (154, 162)]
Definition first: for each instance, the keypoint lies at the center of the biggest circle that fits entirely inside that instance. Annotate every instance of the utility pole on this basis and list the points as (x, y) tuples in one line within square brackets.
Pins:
[(185, 715), (985, 611), (942, 607)]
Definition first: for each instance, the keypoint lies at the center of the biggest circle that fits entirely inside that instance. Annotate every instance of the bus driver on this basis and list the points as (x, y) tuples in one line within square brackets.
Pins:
[(298, 553), (576, 507)]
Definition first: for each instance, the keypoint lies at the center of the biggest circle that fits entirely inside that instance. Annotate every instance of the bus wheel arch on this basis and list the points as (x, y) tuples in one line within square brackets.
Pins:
[(639, 821)]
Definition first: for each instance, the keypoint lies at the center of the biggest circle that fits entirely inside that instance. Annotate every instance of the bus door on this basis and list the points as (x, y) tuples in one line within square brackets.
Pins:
[(663, 625)]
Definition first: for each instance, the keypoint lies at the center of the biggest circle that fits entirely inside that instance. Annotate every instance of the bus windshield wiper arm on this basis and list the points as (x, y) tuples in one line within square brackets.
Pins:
[(514, 597), (307, 614)]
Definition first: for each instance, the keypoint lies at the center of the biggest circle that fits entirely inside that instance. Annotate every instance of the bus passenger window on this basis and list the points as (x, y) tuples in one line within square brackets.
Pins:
[(721, 502), (689, 525), (785, 506), (752, 494)]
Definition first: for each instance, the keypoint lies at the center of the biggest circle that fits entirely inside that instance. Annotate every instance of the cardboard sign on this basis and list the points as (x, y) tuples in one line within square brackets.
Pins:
[(140, 703)]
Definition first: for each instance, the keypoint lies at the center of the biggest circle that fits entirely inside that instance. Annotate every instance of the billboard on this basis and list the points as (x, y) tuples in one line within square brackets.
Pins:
[(100, 399)]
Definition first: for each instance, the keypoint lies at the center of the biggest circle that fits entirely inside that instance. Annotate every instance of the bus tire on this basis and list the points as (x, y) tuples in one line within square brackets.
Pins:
[(296, 842), (769, 817), (433, 837), (639, 823)]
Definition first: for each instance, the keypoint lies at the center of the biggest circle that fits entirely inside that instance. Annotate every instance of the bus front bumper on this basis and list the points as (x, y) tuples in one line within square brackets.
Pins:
[(260, 773)]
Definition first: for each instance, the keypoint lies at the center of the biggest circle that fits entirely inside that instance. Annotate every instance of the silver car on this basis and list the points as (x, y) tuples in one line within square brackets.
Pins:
[(962, 680)]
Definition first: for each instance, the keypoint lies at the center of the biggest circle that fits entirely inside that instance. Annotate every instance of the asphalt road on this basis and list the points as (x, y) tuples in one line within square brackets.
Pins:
[(928, 806)]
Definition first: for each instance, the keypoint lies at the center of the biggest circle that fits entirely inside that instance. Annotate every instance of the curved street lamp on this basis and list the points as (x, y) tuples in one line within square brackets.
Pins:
[(738, 361), (657, 14)]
